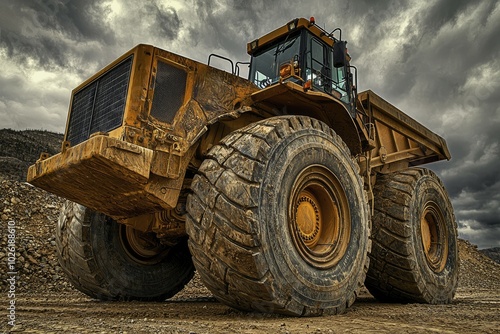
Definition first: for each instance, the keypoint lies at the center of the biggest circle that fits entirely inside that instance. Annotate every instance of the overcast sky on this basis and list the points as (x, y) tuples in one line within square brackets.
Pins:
[(438, 61)]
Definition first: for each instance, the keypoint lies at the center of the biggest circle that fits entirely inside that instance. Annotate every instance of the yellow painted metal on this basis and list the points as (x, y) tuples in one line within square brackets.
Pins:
[(138, 168), (434, 236), (400, 141), (105, 174), (137, 93), (142, 247), (308, 218), (300, 23), (320, 223), (292, 99)]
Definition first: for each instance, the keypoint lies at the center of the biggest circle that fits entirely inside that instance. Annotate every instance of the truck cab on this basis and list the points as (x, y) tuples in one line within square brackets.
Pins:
[(307, 55)]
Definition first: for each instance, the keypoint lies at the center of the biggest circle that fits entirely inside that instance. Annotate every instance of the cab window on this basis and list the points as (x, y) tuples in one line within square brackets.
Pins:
[(264, 70), (320, 70), (339, 83)]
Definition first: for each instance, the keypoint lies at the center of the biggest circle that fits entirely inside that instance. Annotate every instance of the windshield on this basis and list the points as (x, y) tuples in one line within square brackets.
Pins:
[(265, 66)]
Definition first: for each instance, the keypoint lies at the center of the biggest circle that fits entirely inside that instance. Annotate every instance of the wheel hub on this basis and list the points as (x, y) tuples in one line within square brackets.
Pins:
[(142, 247), (320, 223), (308, 219), (434, 237)]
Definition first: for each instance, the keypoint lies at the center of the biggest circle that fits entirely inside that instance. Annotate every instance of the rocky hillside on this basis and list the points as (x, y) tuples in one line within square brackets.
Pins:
[(19, 149), (34, 214), (492, 253)]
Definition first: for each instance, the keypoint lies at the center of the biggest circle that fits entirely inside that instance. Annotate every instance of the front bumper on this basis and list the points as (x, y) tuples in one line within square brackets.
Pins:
[(105, 174)]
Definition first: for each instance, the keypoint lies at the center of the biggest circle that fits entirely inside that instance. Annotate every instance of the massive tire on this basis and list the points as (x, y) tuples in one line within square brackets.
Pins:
[(110, 261), (415, 255), (278, 219)]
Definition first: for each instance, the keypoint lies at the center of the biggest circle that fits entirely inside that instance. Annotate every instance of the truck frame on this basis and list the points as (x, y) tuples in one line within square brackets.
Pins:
[(286, 192)]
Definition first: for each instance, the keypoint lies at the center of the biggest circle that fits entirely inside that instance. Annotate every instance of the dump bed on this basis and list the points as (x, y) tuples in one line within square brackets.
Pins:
[(400, 141)]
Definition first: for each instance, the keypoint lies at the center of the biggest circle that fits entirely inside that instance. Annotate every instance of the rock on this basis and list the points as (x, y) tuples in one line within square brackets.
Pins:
[(36, 260), (492, 253), (32, 259), (17, 328)]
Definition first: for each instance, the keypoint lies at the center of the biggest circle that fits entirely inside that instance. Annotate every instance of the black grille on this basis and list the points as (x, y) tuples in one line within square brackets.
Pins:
[(99, 107), (170, 86)]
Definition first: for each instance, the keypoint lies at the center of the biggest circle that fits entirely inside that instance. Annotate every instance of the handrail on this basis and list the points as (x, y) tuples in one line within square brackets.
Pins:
[(237, 68), (224, 58)]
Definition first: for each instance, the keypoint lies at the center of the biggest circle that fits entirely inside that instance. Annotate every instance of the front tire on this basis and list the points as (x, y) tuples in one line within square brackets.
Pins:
[(110, 261), (415, 255), (278, 219)]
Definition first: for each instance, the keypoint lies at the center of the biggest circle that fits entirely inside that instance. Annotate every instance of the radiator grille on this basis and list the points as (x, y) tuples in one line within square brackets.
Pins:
[(170, 86), (99, 106)]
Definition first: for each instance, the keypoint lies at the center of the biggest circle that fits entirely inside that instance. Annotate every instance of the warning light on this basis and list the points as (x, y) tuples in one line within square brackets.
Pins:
[(307, 85), (286, 70)]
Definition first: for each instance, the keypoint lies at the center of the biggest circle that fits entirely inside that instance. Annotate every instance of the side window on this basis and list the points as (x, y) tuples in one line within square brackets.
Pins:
[(262, 80), (339, 82), (319, 68)]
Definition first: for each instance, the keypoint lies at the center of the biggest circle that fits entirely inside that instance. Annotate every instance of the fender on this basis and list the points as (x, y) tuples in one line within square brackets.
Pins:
[(289, 98)]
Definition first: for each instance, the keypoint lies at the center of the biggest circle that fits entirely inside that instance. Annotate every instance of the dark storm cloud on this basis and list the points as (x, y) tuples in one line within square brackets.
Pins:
[(434, 47), (47, 31), (167, 21), (79, 19), (24, 105), (445, 12), (151, 18), (229, 25), (443, 49), (221, 27), (453, 88)]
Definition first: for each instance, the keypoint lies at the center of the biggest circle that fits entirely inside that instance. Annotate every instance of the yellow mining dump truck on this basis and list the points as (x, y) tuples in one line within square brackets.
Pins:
[(286, 192)]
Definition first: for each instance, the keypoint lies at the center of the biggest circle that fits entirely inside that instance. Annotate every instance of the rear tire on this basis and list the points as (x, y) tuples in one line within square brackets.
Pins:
[(415, 255), (110, 261), (278, 219)]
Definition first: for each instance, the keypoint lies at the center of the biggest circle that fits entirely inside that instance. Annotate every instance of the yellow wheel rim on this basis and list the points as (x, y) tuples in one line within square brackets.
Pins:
[(142, 247), (320, 222), (434, 237)]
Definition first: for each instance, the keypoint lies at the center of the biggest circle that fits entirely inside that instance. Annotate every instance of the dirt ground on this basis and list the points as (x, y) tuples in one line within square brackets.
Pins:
[(46, 303), (473, 311)]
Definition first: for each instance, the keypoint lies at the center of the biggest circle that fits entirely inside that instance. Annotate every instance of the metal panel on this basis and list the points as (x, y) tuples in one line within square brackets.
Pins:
[(401, 141), (170, 87), (99, 106)]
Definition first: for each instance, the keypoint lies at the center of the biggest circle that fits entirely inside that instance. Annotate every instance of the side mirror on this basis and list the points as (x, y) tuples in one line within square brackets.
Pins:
[(339, 54)]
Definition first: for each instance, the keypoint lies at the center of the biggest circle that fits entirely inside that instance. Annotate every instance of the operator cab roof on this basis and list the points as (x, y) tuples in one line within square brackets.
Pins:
[(294, 25)]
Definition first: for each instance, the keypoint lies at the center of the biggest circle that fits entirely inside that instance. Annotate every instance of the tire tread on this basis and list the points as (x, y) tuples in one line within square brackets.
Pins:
[(241, 158), (392, 275)]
